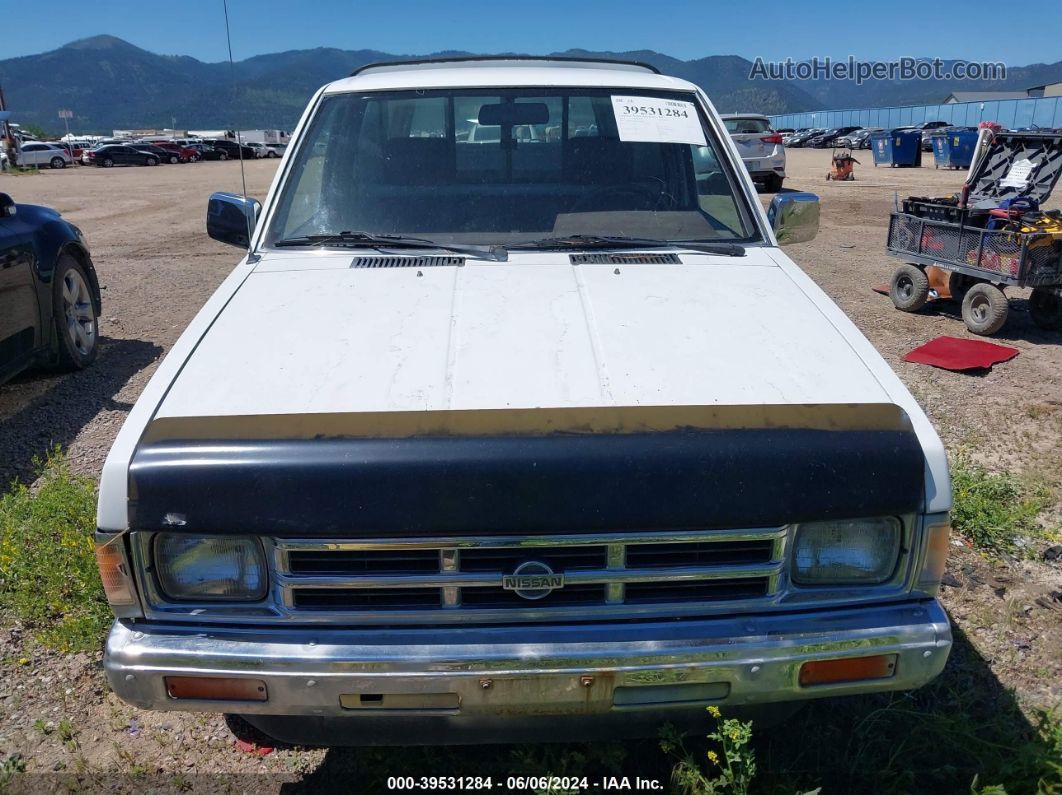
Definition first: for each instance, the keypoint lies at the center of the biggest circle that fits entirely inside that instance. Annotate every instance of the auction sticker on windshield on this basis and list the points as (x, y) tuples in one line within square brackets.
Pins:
[(654, 120)]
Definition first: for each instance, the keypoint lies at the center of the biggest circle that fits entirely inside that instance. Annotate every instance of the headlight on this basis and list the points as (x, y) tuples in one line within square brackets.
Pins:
[(210, 568), (847, 551)]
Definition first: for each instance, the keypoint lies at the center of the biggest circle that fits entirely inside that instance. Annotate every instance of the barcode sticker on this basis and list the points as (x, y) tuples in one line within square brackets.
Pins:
[(653, 120)]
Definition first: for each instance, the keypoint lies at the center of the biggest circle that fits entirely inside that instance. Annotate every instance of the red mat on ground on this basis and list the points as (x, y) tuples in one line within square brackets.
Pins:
[(952, 353)]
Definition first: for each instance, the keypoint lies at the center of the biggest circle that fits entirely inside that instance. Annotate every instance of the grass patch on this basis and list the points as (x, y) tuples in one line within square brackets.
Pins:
[(994, 510), (963, 726), (48, 576), (20, 171)]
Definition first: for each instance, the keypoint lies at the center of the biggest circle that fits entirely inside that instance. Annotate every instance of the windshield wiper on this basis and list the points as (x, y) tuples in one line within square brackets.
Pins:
[(366, 239), (606, 241)]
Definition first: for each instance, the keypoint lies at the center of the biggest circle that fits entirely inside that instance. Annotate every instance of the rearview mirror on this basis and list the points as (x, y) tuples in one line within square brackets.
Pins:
[(513, 113), (231, 218), (794, 217), (7, 206)]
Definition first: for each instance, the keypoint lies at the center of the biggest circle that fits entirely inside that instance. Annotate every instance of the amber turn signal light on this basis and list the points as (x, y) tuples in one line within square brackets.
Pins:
[(114, 572), (213, 688), (847, 669)]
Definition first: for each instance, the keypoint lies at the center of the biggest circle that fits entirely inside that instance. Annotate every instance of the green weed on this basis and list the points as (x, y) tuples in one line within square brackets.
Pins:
[(48, 576), (994, 510)]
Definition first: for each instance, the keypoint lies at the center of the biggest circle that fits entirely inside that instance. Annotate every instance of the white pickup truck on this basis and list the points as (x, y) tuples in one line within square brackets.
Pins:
[(536, 436)]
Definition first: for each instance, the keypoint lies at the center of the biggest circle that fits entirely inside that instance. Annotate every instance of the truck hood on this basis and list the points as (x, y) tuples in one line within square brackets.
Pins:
[(527, 396), (308, 334)]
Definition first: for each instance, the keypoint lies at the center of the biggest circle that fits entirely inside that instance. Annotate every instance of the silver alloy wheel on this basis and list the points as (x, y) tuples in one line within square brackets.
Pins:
[(79, 313)]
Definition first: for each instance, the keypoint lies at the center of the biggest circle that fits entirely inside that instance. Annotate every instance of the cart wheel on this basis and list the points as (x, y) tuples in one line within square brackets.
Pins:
[(959, 284), (1045, 308), (909, 289), (984, 309)]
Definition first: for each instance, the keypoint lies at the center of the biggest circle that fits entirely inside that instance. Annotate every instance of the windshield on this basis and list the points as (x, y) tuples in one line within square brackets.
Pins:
[(505, 166), (752, 125)]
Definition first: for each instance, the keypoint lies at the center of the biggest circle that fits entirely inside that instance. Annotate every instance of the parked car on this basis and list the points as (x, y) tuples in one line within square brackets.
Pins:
[(185, 154), (263, 150), (122, 155), (232, 149), (798, 140), (161, 154), (208, 152), (827, 138), (49, 294), (760, 148), (860, 139), (39, 154), (420, 547), (928, 128), (75, 148)]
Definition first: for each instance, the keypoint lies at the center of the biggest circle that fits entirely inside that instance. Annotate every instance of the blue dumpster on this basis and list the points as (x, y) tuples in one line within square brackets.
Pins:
[(954, 148), (897, 148)]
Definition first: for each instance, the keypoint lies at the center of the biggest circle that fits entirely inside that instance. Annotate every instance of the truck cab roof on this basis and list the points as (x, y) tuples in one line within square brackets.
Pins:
[(510, 72)]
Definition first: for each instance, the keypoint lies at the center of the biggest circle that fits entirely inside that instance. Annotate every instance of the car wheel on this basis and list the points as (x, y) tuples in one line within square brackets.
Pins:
[(909, 289), (174, 159), (76, 327), (151, 161), (772, 183), (107, 162), (984, 309), (223, 156), (1045, 308), (57, 162)]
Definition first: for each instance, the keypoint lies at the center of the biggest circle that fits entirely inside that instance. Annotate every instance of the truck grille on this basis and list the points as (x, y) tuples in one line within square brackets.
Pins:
[(452, 580)]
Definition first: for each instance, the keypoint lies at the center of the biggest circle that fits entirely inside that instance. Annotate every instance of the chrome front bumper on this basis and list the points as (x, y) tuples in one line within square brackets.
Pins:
[(477, 675)]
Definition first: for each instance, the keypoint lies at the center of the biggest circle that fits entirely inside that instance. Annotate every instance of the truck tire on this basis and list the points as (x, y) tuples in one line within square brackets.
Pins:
[(909, 289), (1045, 308), (985, 309)]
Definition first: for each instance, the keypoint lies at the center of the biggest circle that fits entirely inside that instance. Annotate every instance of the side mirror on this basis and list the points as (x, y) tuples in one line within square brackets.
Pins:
[(794, 217), (231, 218), (7, 206)]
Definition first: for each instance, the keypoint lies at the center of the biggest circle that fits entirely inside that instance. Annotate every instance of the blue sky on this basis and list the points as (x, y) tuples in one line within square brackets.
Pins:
[(868, 29)]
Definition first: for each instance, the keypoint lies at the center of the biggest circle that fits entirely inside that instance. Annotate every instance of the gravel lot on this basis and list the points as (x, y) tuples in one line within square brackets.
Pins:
[(145, 227)]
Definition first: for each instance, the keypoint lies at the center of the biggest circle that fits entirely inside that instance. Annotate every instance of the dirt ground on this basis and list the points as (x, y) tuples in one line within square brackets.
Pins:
[(145, 227)]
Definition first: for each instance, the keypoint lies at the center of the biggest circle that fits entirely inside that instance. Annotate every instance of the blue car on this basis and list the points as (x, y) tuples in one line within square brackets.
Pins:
[(49, 294)]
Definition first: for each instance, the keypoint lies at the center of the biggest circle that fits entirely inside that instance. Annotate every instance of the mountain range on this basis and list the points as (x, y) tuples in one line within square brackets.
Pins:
[(109, 83)]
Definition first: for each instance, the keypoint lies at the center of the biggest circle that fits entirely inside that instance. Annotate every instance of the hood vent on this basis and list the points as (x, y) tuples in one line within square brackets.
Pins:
[(615, 258), (406, 262)]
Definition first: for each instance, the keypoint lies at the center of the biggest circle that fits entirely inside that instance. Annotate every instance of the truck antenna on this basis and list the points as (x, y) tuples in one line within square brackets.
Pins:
[(232, 69)]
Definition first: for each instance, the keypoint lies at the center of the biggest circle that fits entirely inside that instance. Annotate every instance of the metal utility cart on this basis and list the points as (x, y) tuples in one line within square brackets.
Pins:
[(992, 237)]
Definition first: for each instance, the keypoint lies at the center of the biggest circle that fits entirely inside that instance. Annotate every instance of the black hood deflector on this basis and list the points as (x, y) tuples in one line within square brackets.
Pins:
[(570, 483)]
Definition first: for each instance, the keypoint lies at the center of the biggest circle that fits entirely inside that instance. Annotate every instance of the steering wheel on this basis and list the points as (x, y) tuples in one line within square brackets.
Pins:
[(650, 197)]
